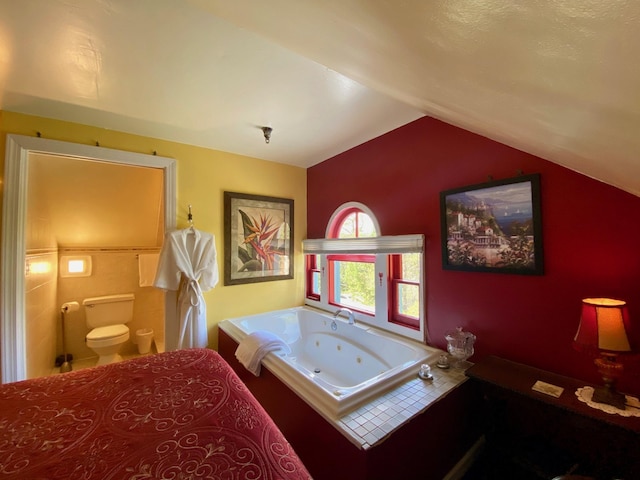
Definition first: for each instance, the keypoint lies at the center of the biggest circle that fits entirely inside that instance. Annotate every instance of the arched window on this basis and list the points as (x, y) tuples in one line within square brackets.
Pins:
[(352, 220), (352, 276), (377, 277)]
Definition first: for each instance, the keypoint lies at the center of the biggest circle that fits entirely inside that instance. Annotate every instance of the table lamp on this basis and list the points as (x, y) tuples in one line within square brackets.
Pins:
[(605, 329)]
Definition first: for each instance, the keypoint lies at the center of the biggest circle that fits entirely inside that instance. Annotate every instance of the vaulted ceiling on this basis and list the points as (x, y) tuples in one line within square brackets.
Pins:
[(557, 78)]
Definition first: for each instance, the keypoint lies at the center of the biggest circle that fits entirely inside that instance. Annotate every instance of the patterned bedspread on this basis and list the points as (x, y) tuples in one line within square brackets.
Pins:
[(177, 415)]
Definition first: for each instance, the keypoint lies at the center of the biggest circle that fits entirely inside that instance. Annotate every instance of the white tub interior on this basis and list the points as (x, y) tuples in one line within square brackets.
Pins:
[(333, 371)]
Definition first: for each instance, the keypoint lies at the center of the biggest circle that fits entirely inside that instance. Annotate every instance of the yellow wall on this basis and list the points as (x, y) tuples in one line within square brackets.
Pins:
[(202, 177)]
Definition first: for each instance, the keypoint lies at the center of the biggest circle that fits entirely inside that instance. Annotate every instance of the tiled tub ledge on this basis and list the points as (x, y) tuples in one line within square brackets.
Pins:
[(373, 422)]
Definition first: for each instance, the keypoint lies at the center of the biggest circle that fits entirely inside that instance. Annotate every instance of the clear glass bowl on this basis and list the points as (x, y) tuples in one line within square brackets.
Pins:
[(460, 346)]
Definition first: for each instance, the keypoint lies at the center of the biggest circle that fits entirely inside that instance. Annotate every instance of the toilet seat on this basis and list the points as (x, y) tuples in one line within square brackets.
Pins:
[(109, 335), (105, 333)]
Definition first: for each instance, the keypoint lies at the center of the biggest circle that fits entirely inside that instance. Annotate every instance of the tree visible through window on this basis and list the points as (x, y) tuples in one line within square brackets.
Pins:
[(379, 278), (405, 274), (352, 277), (352, 223)]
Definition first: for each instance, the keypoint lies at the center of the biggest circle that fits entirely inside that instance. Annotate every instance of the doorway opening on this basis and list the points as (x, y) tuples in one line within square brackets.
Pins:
[(12, 274)]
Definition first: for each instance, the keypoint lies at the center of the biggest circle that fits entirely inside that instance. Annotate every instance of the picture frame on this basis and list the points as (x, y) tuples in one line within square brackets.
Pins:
[(258, 238), (493, 227)]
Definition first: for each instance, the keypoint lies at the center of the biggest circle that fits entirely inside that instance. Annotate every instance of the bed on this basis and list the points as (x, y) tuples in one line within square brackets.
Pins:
[(176, 415)]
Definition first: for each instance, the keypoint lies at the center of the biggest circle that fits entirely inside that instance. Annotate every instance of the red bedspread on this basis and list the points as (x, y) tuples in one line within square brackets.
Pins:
[(177, 415)]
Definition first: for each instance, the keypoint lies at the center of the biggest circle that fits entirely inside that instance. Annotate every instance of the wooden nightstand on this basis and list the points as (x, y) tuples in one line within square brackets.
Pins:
[(550, 436)]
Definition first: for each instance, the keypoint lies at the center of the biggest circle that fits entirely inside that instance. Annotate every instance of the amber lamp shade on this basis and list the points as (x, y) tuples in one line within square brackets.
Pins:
[(605, 329)]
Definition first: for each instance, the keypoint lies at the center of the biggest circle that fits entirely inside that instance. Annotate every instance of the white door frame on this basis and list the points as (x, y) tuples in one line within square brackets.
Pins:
[(14, 209)]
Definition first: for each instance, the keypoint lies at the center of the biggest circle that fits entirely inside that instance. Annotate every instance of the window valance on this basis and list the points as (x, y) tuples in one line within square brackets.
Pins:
[(384, 244)]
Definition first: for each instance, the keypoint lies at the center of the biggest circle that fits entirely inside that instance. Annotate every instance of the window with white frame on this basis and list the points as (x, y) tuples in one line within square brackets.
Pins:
[(381, 279)]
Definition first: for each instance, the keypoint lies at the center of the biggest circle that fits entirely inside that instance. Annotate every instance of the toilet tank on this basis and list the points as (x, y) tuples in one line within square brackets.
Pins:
[(109, 310)]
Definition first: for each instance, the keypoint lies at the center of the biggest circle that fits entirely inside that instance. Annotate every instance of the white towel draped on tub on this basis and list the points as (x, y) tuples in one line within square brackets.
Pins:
[(147, 267), (255, 346)]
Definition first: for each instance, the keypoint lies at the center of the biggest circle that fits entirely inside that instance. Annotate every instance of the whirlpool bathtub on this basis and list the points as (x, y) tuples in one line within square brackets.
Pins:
[(334, 371)]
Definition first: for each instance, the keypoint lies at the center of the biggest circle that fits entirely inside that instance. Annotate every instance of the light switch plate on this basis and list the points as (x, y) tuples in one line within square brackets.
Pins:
[(547, 389)]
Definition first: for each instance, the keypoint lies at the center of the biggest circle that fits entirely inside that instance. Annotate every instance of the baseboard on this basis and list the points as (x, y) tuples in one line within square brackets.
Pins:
[(460, 469)]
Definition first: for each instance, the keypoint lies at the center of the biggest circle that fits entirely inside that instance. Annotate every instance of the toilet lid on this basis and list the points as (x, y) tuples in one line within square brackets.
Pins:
[(110, 331)]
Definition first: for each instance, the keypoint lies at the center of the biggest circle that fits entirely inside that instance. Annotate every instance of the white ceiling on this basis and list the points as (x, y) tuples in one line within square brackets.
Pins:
[(558, 78)]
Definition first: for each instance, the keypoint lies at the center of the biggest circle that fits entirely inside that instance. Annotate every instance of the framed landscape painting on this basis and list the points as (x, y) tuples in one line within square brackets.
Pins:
[(258, 238), (493, 227)]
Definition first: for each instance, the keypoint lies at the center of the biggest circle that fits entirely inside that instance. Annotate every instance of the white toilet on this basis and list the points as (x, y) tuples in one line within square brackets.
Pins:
[(107, 318)]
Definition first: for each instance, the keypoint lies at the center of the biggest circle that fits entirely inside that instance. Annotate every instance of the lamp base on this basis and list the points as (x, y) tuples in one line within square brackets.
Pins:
[(610, 397), (610, 370)]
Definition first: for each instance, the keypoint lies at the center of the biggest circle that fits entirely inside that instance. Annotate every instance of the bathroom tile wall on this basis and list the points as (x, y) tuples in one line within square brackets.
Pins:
[(42, 312), (113, 272)]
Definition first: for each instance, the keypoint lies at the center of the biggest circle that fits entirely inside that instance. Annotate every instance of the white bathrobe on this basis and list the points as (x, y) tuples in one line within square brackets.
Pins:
[(188, 264)]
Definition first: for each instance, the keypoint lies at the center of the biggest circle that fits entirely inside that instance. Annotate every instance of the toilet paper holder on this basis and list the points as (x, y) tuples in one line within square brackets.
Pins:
[(64, 309), (68, 307)]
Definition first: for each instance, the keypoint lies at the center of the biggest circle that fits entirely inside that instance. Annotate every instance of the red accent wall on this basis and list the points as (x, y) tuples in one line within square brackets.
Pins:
[(591, 241)]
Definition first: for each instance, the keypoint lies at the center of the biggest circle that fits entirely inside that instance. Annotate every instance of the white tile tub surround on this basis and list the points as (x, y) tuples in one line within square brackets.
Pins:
[(372, 422)]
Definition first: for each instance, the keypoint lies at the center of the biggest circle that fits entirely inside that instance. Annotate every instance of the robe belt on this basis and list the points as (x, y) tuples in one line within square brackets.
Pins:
[(192, 289)]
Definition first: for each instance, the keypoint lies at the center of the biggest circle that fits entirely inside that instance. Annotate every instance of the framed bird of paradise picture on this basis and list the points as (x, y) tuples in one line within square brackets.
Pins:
[(258, 238)]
